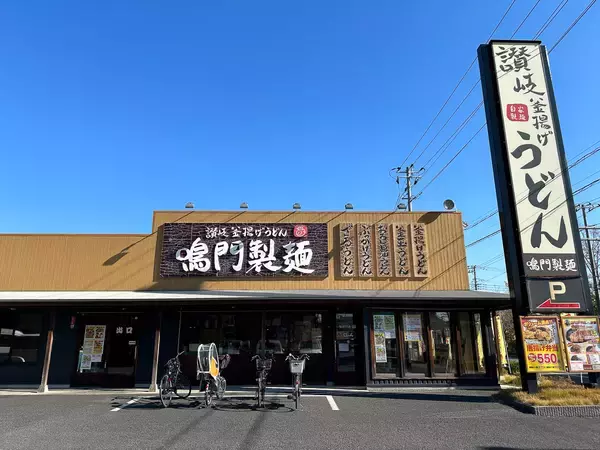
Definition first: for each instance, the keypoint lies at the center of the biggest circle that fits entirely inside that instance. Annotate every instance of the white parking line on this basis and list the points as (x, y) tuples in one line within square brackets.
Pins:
[(125, 405), (332, 403)]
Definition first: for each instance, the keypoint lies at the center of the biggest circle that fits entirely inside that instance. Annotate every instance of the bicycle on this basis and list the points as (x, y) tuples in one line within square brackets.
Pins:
[(263, 366), (296, 368), (209, 367), (174, 381)]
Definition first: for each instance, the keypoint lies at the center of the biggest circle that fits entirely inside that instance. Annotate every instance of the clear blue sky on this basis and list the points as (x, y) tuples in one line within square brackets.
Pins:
[(112, 109)]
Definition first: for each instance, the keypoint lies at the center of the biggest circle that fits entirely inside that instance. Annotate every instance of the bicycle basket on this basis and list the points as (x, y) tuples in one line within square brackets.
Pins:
[(264, 364), (297, 365)]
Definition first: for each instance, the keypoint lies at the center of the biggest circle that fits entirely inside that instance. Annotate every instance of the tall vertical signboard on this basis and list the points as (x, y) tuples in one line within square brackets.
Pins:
[(545, 265)]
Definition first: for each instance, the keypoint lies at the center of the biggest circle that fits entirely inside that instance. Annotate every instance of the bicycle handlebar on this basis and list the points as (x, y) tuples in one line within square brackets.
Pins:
[(302, 356)]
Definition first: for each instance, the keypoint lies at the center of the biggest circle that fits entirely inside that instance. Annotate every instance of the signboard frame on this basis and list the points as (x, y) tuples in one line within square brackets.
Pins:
[(564, 332), (560, 363)]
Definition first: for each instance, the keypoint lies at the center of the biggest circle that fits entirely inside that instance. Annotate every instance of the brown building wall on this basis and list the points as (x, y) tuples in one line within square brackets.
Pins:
[(130, 262)]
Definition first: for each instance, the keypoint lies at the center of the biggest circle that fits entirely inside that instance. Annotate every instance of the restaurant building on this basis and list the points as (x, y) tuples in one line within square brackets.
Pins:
[(375, 299)]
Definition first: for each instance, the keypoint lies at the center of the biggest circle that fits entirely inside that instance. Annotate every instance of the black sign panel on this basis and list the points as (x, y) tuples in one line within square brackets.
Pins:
[(244, 250), (535, 200), (556, 295)]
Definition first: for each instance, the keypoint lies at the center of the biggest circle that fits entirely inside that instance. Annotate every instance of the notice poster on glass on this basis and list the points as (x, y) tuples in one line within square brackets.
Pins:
[(86, 361), (389, 326), (380, 352), (412, 328), (378, 322), (541, 340), (582, 341)]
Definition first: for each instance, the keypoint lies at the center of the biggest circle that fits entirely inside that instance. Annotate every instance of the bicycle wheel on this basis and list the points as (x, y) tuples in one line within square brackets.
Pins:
[(166, 391), (208, 396), (222, 388), (183, 386)]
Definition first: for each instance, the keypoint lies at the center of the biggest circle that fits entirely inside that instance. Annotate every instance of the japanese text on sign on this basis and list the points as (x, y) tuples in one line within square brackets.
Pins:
[(536, 169)]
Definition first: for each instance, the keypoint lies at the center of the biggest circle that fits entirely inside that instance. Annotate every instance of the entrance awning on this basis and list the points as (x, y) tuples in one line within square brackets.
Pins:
[(491, 299)]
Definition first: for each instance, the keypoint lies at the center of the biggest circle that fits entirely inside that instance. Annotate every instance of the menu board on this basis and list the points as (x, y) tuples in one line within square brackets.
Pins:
[(412, 328), (582, 342), (541, 341), (93, 345)]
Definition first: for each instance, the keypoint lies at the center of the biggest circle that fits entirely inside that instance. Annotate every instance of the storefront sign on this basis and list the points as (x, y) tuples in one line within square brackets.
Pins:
[(244, 250), (419, 250), (401, 247), (582, 342), (531, 174), (347, 252), (365, 250), (384, 262), (554, 295), (541, 340)]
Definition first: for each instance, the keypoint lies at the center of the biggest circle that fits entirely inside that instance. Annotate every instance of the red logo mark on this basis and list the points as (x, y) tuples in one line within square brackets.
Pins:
[(549, 304), (517, 112), (300, 231), (531, 357)]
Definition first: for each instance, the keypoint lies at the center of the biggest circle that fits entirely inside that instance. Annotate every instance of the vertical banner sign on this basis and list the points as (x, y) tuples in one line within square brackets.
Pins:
[(582, 343), (379, 337), (541, 340), (535, 197)]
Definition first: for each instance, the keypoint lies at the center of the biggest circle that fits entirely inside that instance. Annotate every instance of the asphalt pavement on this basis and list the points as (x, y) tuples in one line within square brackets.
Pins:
[(351, 420)]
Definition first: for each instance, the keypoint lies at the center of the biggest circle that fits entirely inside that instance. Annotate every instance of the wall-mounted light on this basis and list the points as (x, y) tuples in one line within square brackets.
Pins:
[(349, 206), (244, 205), (189, 205), (296, 206)]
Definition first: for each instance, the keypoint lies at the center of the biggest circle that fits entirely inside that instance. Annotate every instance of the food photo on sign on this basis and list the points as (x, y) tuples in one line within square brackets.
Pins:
[(541, 340), (582, 341)]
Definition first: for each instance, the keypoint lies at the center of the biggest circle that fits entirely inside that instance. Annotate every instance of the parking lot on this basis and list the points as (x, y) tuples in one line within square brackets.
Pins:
[(411, 419)]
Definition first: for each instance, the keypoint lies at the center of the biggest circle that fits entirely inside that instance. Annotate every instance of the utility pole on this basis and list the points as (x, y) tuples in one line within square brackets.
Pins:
[(409, 174), (585, 208), (473, 270)]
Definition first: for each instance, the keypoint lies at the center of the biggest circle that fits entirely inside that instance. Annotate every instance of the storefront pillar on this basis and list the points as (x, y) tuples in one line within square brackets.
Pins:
[(491, 368), (48, 354), (156, 355)]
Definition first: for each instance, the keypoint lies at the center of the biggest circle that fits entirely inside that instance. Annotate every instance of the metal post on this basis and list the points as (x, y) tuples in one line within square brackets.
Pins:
[(48, 354), (589, 246), (154, 379), (409, 187)]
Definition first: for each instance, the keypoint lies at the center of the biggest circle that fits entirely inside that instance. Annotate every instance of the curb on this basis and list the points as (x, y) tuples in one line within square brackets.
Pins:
[(553, 411)]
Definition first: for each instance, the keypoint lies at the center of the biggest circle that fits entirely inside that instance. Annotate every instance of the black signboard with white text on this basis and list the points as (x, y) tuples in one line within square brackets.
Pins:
[(244, 250), (535, 200)]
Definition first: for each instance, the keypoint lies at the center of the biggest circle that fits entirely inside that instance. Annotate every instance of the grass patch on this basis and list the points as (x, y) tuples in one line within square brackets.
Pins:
[(511, 380), (555, 392)]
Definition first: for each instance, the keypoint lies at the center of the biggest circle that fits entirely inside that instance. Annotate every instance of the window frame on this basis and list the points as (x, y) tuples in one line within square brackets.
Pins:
[(13, 321)]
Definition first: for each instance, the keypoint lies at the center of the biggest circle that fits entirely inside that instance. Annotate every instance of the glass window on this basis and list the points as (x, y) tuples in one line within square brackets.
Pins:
[(385, 345), (444, 358), (345, 336), (467, 344), (415, 349), (294, 332), (20, 335)]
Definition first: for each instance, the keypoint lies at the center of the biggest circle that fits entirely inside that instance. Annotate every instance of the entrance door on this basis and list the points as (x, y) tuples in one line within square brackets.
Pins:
[(346, 350), (107, 350), (298, 333)]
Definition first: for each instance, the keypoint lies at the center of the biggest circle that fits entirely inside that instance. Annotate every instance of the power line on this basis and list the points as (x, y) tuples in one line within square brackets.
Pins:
[(457, 85), (575, 164), (477, 132), (578, 191), (551, 18), (575, 22), (525, 19)]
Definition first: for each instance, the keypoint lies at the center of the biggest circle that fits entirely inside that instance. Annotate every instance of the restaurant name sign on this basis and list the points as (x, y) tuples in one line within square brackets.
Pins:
[(244, 250), (532, 176), (383, 250)]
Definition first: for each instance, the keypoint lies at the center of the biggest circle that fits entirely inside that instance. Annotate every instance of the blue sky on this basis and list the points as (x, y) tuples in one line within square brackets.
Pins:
[(112, 109)]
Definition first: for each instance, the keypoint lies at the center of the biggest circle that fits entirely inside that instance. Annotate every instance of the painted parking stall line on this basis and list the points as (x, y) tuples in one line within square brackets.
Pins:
[(125, 405), (332, 403)]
